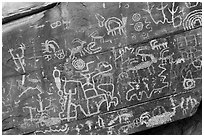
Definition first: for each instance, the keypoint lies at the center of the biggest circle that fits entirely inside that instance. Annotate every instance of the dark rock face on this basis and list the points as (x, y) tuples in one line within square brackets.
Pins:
[(188, 126), (101, 68)]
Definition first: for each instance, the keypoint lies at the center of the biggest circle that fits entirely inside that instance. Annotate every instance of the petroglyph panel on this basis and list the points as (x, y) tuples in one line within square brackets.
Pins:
[(101, 68)]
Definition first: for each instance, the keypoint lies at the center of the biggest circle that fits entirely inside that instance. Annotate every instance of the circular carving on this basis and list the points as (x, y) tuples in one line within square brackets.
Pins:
[(188, 83), (193, 20), (78, 64), (60, 93), (138, 26), (136, 17)]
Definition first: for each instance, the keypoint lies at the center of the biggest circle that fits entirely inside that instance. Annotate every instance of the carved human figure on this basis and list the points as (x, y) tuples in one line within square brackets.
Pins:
[(19, 60)]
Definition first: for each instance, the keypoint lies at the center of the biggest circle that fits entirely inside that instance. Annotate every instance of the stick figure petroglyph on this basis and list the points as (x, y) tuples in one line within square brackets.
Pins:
[(21, 60)]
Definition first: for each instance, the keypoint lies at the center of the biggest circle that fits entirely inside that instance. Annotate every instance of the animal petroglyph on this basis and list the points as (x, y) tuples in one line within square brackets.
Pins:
[(138, 93), (95, 36), (155, 46), (78, 48)]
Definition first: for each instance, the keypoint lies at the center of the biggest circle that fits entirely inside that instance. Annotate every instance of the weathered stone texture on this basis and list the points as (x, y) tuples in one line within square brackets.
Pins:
[(101, 68)]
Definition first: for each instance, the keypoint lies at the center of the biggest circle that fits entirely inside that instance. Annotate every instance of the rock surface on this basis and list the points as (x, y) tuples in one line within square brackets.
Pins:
[(188, 126), (101, 68)]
